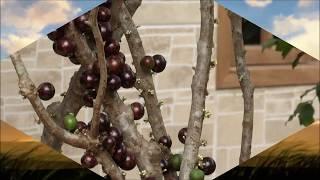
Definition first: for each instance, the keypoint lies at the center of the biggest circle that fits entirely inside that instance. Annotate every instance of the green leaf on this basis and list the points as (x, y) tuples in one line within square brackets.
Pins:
[(296, 111), (318, 91), (283, 47), (297, 60), (306, 114), (269, 43)]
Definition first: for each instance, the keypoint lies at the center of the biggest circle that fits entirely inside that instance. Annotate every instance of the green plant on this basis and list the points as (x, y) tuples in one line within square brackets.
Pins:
[(304, 110)]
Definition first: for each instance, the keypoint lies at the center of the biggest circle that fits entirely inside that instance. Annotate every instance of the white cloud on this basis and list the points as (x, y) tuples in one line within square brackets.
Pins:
[(26, 23), (16, 42), (302, 32), (305, 3), (258, 3)]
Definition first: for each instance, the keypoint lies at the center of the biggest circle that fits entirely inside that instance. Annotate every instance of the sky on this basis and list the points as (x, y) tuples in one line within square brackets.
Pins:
[(295, 21), (24, 21)]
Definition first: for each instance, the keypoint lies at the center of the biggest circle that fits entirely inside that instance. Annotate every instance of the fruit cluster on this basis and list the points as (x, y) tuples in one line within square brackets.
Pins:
[(120, 74), (205, 165)]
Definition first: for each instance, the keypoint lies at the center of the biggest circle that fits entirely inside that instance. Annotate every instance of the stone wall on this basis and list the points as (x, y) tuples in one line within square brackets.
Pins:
[(169, 28)]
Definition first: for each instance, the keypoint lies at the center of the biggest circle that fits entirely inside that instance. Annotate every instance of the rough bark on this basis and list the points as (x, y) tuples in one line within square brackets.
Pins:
[(94, 130), (245, 84), (72, 102), (145, 82), (144, 78), (148, 154), (29, 90), (199, 88), (108, 165)]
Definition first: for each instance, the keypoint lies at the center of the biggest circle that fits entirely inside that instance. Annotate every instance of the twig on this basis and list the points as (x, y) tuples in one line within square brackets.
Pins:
[(199, 88), (245, 84), (29, 90), (94, 130), (148, 154)]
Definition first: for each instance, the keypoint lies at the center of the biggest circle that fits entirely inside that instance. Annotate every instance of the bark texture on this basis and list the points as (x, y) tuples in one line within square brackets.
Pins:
[(72, 102), (95, 121), (199, 89), (144, 78), (148, 154), (245, 84), (29, 90), (145, 82)]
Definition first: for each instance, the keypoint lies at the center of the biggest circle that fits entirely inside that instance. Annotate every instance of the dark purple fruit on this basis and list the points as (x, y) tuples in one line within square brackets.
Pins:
[(207, 165), (81, 125), (106, 31), (106, 4), (112, 48), (107, 177), (89, 80), (88, 160), (159, 63), (149, 178), (120, 153), (128, 79), (46, 91), (94, 68), (74, 60), (138, 110), (89, 96), (57, 34), (182, 135), (109, 143), (104, 14), (126, 67), (113, 83), (115, 65), (164, 165), (147, 62), (122, 56), (166, 141), (64, 47), (116, 134), (82, 23), (129, 162)]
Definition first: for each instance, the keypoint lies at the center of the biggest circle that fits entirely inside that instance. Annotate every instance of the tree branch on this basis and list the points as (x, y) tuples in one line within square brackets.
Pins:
[(144, 78), (148, 154), (29, 90), (245, 84), (132, 6), (94, 130), (199, 88), (108, 165), (73, 102)]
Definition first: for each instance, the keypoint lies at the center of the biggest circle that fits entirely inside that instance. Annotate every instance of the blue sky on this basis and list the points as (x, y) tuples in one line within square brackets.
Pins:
[(24, 21), (296, 21)]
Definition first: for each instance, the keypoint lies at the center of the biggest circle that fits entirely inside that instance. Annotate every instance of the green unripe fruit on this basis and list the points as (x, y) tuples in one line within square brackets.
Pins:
[(175, 161), (70, 122), (196, 174)]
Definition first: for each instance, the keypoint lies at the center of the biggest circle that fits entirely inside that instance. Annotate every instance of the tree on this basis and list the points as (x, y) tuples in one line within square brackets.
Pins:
[(111, 138)]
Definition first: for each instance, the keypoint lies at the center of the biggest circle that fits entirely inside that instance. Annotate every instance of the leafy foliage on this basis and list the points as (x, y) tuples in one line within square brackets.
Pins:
[(305, 112), (282, 47)]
